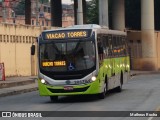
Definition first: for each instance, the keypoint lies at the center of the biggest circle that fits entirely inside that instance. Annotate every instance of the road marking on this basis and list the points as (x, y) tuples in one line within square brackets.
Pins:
[(157, 109)]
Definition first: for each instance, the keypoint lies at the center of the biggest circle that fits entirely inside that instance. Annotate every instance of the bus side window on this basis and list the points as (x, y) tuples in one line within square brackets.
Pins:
[(124, 46), (106, 46), (100, 47), (110, 45), (118, 45), (114, 43), (121, 46)]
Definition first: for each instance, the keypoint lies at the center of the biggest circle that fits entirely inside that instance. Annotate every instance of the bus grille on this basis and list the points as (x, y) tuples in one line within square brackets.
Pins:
[(68, 91)]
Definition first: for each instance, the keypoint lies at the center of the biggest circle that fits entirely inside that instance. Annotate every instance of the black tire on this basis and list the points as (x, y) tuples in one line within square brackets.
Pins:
[(103, 94), (119, 88), (54, 98)]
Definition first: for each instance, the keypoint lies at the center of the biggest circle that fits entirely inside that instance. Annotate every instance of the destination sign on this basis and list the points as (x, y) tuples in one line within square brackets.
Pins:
[(54, 63), (53, 35)]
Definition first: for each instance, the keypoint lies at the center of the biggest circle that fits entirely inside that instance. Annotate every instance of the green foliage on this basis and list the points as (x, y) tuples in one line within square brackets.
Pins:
[(43, 1), (92, 12), (20, 8)]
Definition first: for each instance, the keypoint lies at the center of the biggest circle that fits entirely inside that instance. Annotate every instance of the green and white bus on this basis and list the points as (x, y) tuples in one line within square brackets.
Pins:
[(80, 60)]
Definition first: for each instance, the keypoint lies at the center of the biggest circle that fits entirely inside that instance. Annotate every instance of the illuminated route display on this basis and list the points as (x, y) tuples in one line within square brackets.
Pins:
[(72, 34), (54, 64)]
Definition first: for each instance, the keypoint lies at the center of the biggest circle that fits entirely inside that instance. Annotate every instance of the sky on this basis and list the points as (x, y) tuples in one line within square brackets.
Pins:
[(66, 1)]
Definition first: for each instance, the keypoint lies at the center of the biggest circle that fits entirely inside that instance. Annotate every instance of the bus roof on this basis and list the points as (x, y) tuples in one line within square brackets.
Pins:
[(114, 32), (98, 28), (86, 26)]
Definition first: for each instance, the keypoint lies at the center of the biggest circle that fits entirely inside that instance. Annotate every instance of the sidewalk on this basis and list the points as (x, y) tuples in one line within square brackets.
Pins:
[(19, 85), (136, 72)]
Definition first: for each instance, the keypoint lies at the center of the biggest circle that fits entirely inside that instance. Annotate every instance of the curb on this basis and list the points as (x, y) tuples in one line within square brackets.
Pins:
[(136, 73), (16, 92), (17, 83)]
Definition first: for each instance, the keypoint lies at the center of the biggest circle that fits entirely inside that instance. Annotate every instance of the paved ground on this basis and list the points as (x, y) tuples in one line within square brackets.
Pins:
[(141, 93), (18, 85)]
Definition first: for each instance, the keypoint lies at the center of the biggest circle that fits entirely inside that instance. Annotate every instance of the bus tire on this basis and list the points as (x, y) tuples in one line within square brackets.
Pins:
[(54, 98), (119, 88), (103, 94)]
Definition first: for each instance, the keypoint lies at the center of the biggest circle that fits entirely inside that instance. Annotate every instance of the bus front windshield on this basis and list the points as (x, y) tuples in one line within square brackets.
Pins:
[(67, 56)]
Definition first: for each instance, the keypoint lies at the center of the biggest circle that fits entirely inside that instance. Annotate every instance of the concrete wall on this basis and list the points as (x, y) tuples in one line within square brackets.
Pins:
[(16, 40), (157, 37), (15, 43), (135, 45)]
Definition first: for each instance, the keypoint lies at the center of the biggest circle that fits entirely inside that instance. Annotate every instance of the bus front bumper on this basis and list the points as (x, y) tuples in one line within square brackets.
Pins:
[(91, 88)]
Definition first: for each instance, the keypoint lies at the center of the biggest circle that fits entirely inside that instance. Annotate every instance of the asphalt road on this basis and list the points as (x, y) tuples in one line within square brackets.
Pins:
[(141, 93)]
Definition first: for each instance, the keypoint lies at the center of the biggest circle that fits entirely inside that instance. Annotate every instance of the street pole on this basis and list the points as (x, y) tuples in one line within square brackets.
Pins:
[(103, 13), (80, 13), (4, 11)]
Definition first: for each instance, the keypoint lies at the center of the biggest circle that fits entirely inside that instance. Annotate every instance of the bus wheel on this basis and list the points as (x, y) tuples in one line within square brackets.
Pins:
[(54, 98), (103, 94), (119, 88)]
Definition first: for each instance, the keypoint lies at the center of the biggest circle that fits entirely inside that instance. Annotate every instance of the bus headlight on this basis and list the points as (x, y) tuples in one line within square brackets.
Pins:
[(93, 78), (43, 81)]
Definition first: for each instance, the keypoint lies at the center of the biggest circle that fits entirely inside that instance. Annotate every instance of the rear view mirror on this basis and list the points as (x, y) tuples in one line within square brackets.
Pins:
[(33, 50)]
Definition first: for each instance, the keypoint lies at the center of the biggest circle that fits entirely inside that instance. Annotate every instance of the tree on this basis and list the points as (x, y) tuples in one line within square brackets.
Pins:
[(43, 1), (93, 12), (20, 8)]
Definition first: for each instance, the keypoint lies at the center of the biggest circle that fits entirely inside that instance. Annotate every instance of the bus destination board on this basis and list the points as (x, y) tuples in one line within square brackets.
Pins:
[(73, 34), (54, 63)]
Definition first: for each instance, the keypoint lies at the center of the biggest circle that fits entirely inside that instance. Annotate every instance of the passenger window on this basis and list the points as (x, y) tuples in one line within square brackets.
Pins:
[(100, 48), (110, 53)]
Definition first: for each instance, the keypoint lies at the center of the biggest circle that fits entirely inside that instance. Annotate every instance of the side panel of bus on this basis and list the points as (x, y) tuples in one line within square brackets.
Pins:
[(114, 68)]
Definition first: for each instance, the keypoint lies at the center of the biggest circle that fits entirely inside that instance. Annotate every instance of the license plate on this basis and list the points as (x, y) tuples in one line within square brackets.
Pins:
[(68, 88)]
